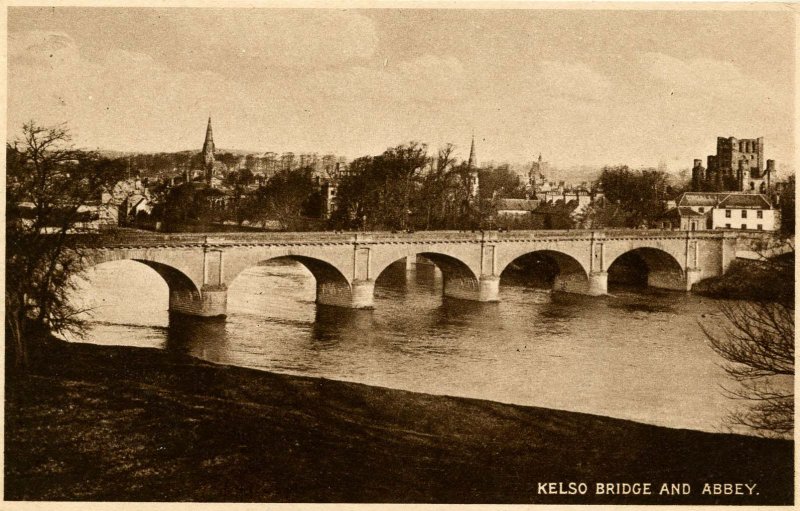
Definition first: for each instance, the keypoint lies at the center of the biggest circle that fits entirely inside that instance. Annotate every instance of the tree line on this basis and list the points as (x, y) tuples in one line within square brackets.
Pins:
[(407, 188), (161, 165), (402, 188)]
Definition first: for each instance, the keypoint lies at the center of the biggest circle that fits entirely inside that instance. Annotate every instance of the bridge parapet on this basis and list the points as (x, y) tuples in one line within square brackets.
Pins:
[(144, 239)]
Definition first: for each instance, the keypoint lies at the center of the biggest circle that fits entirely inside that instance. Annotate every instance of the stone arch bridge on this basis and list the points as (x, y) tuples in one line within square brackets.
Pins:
[(198, 268)]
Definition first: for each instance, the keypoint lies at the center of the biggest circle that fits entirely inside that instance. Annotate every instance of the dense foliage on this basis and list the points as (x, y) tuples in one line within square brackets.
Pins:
[(290, 196), (635, 196), (405, 188)]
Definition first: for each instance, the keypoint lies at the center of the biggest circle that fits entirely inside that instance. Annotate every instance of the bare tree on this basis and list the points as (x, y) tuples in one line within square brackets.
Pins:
[(50, 187), (432, 199), (757, 341)]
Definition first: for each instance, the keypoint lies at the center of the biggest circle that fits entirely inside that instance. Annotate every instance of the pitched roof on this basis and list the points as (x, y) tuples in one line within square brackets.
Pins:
[(724, 200), (745, 200), (700, 198), (683, 212), (689, 212)]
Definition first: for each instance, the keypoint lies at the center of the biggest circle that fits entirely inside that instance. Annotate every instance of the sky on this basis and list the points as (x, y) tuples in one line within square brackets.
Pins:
[(580, 87)]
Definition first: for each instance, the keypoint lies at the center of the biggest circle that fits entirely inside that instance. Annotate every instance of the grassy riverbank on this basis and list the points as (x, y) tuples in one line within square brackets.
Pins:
[(109, 423)]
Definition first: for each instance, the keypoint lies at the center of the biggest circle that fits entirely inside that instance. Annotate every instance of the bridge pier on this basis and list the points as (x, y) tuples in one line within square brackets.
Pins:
[(212, 301), (363, 292), (674, 281), (598, 284), (358, 295), (693, 275), (487, 289), (577, 283)]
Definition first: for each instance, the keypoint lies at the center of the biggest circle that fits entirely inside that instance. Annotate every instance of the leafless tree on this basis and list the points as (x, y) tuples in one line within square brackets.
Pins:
[(49, 188), (757, 342)]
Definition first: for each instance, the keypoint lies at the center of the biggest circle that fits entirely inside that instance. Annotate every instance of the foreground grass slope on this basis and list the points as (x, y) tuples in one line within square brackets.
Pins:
[(109, 423)]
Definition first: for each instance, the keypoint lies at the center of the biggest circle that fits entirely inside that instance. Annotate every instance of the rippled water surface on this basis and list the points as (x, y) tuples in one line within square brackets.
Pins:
[(636, 354)]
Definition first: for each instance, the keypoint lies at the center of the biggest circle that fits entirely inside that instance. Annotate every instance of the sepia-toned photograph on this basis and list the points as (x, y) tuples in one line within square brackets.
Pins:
[(445, 254)]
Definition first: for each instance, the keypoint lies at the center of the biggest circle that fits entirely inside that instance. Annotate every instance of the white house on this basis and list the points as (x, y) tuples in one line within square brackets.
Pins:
[(723, 210), (749, 211)]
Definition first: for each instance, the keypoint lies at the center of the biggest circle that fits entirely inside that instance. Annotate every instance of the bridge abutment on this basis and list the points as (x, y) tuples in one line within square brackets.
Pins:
[(212, 301)]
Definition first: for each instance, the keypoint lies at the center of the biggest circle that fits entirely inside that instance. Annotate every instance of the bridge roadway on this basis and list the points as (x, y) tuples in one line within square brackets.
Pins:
[(198, 268)]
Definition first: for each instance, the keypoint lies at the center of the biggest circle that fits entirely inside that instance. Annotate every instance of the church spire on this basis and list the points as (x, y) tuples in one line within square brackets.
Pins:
[(208, 146), (471, 162), (472, 165)]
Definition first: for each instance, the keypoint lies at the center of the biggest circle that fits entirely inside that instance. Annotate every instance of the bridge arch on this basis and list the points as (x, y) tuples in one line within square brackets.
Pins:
[(569, 274), (459, 278), (663, 269), (332, 286), (177, 271), (185, 295), (175, 278)]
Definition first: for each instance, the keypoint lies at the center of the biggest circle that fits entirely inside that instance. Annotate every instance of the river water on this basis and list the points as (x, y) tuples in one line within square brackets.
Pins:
[(638, 354)]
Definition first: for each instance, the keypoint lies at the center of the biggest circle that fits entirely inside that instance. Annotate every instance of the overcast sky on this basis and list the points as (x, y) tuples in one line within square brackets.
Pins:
[(581, 87)]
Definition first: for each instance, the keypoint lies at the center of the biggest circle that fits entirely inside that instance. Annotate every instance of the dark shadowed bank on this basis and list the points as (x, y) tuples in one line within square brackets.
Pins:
[(753, 280), (113, 423)]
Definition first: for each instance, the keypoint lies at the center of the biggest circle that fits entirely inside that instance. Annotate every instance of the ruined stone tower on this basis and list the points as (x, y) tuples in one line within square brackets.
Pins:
[(737, 166)]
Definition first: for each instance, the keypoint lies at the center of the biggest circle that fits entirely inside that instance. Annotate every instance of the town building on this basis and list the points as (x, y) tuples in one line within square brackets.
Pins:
[(127, 200), (693, 211), (328, 191), (739, 165), (583, 196), (329, 186), (684, 219), (516, 208)]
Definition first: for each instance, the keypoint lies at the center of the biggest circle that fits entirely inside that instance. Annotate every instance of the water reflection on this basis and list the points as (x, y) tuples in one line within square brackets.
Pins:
[(332, 324), (191, 335), (636, 354)]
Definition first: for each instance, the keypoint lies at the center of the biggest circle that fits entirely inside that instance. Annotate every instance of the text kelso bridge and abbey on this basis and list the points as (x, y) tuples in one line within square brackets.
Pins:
[(198, 268)]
